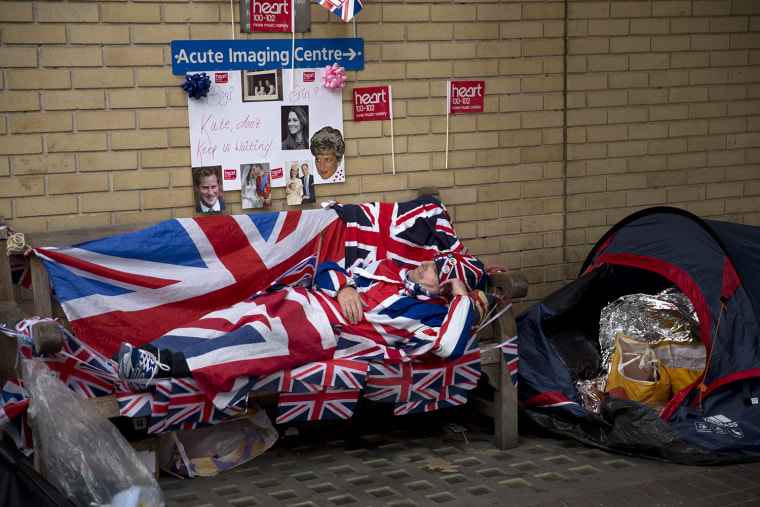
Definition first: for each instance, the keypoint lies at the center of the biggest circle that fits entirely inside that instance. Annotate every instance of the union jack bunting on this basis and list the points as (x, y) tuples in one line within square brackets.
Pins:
[(407, 232), (511, 357), (135, 403), (20, 272), (457, 397), (311, 377), (431, 379), (345, 373), (82, 368), (345, 9), (389, 382), (180, 405), (284, 381), (13, 417), (328, 403), (136, 287)]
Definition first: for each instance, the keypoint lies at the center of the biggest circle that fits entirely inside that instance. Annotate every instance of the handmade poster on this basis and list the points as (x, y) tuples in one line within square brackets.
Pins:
[(272, 15), (466, 96), (372, 103), (263, 117)]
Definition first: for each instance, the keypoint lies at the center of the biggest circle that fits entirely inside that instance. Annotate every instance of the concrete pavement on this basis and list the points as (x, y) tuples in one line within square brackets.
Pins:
[(421, 460)]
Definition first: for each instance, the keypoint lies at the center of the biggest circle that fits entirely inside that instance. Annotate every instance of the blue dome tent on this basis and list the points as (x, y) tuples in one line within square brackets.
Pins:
[(717, 266)]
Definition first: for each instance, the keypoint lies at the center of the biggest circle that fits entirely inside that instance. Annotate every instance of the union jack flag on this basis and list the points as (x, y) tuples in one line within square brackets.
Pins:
[(457, 396), (13, 417), (328, 403), (407, 232), (135, 403), (274, 331), (431, 379), (20, 272), (356, 346), (82, 368), (284, 381), (345, 373), (136, 287), (345, 9), (389, 382), (511, 357), (179, 404), (312, 377)]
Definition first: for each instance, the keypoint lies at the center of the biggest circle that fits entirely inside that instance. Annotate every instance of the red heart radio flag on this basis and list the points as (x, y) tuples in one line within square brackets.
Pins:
[(466, 96), (372, 103), (272, 15)]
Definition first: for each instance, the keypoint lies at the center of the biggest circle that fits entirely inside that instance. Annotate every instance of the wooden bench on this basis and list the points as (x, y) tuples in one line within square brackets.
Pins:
[(502, 406)]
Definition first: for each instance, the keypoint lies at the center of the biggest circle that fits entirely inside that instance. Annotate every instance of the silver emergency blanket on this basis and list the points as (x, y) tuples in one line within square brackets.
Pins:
[(666, 316)]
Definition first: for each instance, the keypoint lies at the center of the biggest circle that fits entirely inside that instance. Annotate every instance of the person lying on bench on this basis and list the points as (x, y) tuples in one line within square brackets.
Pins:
[(406, 311)]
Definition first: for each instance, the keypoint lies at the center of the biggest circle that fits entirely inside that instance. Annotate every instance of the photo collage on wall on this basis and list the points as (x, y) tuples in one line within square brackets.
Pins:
[(256, 127)]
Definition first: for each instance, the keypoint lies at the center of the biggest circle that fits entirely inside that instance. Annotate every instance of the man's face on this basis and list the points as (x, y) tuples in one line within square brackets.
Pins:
[(208, 190), (427, 276), (305, 170)]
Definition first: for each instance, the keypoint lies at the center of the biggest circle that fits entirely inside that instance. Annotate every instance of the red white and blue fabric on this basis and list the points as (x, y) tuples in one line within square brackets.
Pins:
[(273, 331), (285, 381), (405, 326), (433, 378), (426, 379), (345, 9), (511, 357), (20, 272), (464, 267), (327, 403), (407, 232), (179, 404), (345, 373), (457, 396), (189, 278), (389, 382), (136, 287), (13, 415)]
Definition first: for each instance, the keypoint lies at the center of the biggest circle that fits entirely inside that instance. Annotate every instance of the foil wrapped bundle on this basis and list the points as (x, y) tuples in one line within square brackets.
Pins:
[(667, 316)]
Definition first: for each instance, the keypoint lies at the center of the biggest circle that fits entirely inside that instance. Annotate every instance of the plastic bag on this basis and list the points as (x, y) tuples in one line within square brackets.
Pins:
[(208, 451), (636, 370), (683, 362), (84, 454)]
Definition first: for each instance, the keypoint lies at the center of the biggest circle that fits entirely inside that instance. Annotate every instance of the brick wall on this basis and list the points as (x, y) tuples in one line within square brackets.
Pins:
[(645, 103)]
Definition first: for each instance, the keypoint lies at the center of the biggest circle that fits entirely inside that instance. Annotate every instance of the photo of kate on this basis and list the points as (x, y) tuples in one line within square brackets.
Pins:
[(295, 128)]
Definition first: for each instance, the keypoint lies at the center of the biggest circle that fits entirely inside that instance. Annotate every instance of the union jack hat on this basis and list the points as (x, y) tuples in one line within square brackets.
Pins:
[(462, 266)]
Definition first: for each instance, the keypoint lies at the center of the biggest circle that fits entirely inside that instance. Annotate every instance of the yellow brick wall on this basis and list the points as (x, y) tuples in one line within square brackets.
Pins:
[(594, 110)]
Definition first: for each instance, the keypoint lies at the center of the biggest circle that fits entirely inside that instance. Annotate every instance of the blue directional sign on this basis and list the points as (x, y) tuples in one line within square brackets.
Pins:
[(222, 55)]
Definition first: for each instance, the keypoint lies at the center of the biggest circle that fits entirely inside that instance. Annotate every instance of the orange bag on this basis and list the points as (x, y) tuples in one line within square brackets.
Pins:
[(637, 371)]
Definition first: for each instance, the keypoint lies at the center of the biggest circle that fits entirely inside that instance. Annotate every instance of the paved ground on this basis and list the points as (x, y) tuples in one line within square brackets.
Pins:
[(418, 461)]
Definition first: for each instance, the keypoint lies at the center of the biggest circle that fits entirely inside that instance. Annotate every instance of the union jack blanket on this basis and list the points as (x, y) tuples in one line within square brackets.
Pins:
[(188, 277)]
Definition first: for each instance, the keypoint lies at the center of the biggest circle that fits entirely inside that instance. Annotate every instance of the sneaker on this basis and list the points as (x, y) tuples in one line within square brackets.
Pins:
[(138, 366)]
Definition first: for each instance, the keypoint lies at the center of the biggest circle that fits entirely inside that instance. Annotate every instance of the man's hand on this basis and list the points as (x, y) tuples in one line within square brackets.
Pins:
[(453, 287), (351, 304)]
